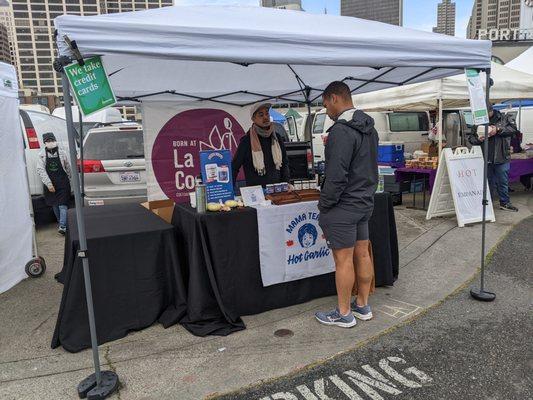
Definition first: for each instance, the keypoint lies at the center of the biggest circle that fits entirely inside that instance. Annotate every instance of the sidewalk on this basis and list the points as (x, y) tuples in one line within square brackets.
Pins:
[(436, 258)]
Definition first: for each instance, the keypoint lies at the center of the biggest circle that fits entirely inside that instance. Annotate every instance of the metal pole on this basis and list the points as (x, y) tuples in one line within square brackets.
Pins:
[(520, 115), (440, 126), (82, 174), (81, 227), (485, 187), (101, 384), (482, 295)]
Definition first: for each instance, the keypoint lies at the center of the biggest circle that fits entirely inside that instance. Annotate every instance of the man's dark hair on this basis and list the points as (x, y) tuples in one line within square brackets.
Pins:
[(339, 88)]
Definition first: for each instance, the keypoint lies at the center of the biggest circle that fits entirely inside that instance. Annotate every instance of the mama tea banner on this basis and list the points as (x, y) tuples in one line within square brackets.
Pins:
[(291, 244), (174, 136)]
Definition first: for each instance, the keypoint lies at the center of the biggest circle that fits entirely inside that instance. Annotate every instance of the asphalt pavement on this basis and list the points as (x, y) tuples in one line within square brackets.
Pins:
[(459, 349), (436, 258)]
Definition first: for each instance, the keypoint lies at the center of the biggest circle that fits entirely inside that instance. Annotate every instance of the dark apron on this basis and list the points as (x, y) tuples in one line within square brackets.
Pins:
[(59, 179)]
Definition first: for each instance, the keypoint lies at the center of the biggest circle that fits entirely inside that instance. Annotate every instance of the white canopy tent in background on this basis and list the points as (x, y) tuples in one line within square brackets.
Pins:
[(240, 55), (15, 221), (508, 84), (523, 63)]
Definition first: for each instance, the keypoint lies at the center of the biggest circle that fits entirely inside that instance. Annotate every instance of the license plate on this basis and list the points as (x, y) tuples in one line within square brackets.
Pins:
[(130, 176)]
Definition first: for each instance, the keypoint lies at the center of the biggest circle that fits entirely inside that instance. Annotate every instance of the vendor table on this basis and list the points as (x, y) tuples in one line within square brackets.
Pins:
[(223, 276), (520, 168), (135, 276), (428, 176)]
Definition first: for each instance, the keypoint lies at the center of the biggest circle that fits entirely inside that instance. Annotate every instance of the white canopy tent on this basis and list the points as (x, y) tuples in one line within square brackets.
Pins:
[(244, 54), (239, 55), (16, 224), (524, 62), (508, 84)]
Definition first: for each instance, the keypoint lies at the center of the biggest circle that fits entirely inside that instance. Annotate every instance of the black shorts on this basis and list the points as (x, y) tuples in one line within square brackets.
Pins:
[(343, 228)]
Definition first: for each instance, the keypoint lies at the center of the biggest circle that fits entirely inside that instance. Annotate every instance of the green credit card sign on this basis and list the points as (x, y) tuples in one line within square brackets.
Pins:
[(90, 85)]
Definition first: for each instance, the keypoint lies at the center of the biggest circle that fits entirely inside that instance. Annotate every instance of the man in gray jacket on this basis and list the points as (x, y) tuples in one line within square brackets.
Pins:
[(501, 129), (347, 201)]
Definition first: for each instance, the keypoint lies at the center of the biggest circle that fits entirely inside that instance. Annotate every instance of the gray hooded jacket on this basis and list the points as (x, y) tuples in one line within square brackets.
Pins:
[(351, 174)]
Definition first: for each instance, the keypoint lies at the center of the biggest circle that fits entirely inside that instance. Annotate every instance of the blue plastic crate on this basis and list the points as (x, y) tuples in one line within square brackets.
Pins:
[(391, 152)]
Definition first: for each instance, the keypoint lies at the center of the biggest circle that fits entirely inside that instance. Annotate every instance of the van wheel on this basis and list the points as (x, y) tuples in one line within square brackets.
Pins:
[(35, 267)]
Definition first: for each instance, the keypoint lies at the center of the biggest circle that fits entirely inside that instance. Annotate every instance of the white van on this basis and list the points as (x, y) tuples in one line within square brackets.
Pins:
[(411, 128), (106, 116), (35, 107), (524, 122)]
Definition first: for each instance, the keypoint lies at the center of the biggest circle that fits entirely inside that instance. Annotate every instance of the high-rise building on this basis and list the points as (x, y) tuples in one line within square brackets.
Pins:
[(6, 19), (445, 18), (34, 30), (285, 4), (493, 14), (5, 54), (116, 6), (526, 15), (388, 11), (507, 23)]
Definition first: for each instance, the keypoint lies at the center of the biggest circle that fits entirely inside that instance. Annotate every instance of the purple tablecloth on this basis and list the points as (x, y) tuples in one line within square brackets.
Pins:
[(520, 168), (399, 164), (405, 173)]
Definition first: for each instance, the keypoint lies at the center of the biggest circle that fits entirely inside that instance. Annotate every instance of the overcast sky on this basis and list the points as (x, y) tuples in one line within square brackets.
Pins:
[(418, 14)]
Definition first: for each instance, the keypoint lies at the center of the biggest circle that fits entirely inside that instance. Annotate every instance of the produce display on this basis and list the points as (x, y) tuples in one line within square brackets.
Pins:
[(227, 206), (423, 163), (280, 198)]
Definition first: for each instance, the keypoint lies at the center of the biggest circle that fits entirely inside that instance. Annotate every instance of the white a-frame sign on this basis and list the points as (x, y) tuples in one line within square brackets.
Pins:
[(458, 187)]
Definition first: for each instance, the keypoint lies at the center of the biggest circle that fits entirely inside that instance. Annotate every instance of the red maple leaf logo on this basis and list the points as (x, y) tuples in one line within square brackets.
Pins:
[(290, 243)]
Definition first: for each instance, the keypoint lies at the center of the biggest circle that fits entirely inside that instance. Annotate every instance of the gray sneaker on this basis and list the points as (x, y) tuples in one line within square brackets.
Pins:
[(334, 317), (508, 207), (364, 313)]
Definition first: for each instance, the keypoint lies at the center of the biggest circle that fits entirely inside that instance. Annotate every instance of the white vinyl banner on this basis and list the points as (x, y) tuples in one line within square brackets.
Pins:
[(15, 221), (291, 244), (174, 134)]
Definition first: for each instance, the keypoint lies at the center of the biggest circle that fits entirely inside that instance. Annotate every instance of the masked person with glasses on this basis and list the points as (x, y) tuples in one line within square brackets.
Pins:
[(54, 170)]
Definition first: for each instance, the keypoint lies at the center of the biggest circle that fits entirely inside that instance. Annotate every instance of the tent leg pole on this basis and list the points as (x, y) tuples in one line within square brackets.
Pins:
[(100, 384), (481, 294), (520, 115), (313, 169), (82, 174), (441, 125), (308, 104)]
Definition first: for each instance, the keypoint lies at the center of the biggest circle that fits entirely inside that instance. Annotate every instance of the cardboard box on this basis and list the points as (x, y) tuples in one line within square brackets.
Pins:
[(162, 208)]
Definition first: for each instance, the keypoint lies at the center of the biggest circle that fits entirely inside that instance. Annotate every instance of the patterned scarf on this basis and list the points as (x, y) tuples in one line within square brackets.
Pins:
[(257, 152)]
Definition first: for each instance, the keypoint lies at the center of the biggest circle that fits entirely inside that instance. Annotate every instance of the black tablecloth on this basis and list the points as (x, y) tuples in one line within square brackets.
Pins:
[(135, 276), (220, 254)]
